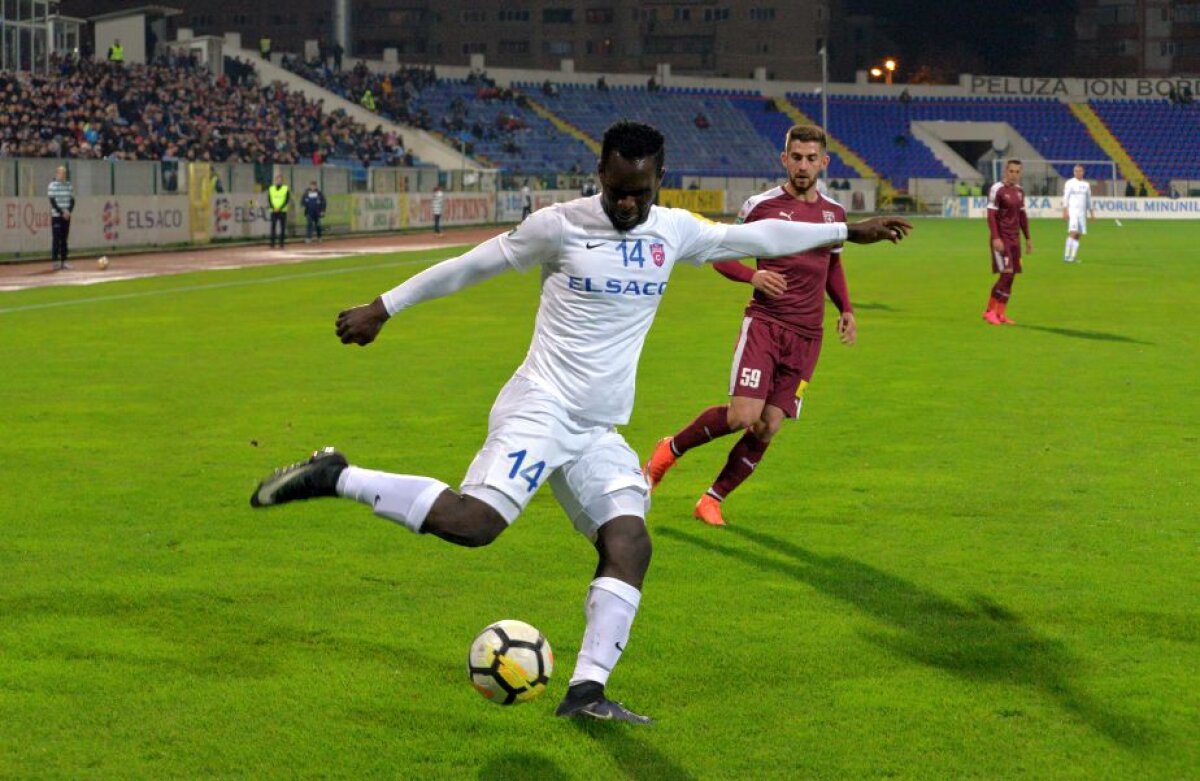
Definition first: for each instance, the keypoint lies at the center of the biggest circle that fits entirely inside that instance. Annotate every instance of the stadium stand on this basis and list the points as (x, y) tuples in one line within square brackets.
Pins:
[(153, 112), (491, 124), (1159, 135), (877, 128), (772, 124), (172, 107), (729, 144)]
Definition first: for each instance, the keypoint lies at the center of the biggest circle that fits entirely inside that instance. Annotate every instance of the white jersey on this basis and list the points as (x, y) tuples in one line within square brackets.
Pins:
[(600, 291), (1077, 195), (438, 199)]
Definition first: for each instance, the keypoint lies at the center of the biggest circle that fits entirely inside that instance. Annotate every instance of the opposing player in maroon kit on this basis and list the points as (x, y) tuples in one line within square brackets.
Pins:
[(1006, 217), (781, 333)]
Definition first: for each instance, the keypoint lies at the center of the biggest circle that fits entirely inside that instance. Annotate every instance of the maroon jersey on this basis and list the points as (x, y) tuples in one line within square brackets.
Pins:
[(1006, 212), (810, 275)]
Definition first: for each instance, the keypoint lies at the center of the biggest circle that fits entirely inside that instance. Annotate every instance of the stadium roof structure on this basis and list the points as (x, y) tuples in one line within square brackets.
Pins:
[(151, 11)]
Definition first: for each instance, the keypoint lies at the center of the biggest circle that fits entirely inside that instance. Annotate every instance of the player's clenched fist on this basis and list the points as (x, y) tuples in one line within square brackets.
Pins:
[(361, 324)]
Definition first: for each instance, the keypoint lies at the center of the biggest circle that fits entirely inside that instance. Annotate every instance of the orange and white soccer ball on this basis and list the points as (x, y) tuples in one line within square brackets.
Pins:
[(510, 662), (102, 262)]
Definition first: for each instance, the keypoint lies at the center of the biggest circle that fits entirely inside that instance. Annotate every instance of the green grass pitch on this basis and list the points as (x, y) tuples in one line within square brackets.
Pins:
[(974, 557)]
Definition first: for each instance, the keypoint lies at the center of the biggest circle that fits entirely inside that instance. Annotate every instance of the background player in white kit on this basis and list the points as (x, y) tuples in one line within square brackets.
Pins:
[(604, 263), (1077, 207)]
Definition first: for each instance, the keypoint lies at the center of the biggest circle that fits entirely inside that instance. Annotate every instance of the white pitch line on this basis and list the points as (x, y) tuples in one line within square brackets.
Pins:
[(210, 286)]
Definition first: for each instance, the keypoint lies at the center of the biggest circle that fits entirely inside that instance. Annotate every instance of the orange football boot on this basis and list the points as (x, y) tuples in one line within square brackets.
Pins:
[(708, 510), (660, 461)]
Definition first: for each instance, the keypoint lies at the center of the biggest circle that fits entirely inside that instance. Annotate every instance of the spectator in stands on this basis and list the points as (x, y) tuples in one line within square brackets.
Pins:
[(1142, 190), (601, 84), (652, 85), (116, 52), (367, 100), (264, 47), (313, 202), (170, 169), (62, 204), (701, 121), (549, 88), (589, 187), (1185, 95), (280, 196), (338, 51), (1129, 191), (905, 98)]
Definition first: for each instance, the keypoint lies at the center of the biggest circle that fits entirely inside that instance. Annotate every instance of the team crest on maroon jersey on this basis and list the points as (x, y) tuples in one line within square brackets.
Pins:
[(658, 254), (829, 216)]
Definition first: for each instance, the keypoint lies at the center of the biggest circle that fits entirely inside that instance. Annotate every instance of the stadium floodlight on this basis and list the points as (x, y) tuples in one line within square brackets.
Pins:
[(824, 53)]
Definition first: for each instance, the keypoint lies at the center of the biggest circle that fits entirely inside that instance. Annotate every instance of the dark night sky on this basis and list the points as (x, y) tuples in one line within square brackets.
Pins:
[(981, 36)]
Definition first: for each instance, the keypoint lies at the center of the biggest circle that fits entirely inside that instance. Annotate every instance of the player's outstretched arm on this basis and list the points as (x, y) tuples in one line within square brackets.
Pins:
[(876, 229), (774, 238), (362, 324)]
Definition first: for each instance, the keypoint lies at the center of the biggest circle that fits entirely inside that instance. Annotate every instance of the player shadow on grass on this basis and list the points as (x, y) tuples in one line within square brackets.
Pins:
[(635, 757), (1075, 333), (980, 641), (876, 307)]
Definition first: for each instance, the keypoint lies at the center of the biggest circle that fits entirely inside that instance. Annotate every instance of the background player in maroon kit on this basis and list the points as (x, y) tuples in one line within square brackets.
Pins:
[(781, 334), (1006, 217)]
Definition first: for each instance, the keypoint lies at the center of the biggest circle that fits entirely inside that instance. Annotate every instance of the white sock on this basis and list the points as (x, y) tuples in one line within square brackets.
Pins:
[(405, 499), (1074, 248), (610, 607), (1067, 249)]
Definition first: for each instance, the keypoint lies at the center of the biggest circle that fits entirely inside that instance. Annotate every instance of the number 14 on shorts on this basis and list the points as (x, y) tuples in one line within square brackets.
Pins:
[(531, 473)]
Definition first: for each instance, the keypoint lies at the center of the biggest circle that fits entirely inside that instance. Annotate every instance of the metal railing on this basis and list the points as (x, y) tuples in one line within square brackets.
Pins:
[(29, 177)]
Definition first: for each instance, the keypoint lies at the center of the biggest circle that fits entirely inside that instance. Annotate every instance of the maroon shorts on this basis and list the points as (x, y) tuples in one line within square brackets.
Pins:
[(1008, 262), (774, 364)]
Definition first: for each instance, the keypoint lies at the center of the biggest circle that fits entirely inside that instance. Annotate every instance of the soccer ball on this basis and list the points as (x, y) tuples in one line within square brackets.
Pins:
[(102, 262), (510, 662)]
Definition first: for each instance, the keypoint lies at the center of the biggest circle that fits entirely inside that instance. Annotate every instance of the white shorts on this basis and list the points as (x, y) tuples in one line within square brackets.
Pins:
[(532, 440), (1077, 222)]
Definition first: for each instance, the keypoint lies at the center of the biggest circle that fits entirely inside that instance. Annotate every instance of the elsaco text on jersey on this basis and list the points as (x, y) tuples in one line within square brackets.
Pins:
[(632, 256)]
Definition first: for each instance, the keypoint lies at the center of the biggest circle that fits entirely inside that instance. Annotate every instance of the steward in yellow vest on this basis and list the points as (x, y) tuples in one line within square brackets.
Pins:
[(280, 196)]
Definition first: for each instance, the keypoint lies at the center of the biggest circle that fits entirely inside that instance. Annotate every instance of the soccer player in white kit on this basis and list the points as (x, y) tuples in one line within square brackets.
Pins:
[(604, 263), (1077, 207)]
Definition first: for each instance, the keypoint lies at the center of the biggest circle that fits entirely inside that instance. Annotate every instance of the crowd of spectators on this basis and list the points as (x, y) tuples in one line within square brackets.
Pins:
[(173, 108), (413, 96), (393, 95)]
